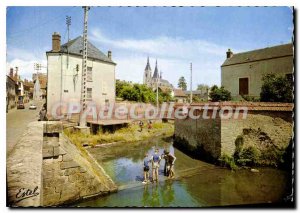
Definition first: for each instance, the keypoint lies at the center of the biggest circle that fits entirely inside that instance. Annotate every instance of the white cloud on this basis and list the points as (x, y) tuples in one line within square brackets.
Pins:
[(174, 57), (25, 68), (24, 60)]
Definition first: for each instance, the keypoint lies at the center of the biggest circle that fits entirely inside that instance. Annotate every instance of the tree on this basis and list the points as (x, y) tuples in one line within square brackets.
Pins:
[(182, 83), (203, 88), (219, 94), (276, 88)]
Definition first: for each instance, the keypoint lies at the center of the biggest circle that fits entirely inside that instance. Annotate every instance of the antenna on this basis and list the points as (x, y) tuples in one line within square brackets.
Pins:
[(84, 66), (68, 22), (191, 87)]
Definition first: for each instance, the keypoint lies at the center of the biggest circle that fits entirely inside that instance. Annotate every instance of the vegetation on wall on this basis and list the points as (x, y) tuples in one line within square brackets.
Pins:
[(276, 88)]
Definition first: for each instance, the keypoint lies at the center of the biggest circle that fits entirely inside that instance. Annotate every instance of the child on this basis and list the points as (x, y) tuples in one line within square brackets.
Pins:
[(155, 165), (146, 169)]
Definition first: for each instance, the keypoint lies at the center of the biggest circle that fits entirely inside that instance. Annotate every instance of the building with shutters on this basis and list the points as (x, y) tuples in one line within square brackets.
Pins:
[(242, 73), (64, 72)]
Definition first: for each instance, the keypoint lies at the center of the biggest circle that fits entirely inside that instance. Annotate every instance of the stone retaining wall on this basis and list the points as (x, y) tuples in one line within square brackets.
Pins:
[(67, 175), (211, 138)]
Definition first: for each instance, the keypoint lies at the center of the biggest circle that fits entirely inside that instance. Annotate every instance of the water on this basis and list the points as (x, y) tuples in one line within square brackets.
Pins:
[(198, 184)]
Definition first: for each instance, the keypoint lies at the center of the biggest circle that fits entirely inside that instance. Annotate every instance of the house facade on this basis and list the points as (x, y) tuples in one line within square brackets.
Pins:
[(64, 73), (242, 73)]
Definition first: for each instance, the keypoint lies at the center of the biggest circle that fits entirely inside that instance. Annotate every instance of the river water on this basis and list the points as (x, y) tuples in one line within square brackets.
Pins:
[(197, 184)]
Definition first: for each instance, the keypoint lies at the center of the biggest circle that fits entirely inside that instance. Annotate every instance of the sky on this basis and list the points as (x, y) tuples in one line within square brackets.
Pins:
[(174, 36)]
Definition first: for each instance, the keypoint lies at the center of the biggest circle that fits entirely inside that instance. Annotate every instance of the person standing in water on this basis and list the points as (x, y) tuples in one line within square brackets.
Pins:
[(165, 157), (155, 165), (146, 169), (170, 165)]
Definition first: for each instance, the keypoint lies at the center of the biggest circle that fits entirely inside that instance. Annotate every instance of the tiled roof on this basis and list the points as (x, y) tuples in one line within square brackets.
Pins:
[(76, 46), (260, 54), (179, 93)]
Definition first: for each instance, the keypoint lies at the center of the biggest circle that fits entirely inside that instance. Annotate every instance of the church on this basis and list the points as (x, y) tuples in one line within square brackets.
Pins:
[(152, 80)]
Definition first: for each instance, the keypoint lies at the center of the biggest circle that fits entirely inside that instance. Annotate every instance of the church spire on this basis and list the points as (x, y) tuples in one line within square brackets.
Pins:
[(148, 65), (156, 75)]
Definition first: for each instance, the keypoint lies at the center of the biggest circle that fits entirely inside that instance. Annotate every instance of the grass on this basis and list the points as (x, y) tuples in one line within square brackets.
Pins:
[(127, 134)]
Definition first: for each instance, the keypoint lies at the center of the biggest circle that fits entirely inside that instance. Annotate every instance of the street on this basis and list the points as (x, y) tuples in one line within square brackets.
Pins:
[(16, 123)]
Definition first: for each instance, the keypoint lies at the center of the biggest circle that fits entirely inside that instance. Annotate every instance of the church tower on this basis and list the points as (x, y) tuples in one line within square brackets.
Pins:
[(147, 73), (156, 74)]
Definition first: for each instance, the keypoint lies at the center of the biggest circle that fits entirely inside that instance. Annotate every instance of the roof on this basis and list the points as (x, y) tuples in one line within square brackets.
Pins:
[(179, 93), (260, 54), (75, 47), (148, 65), (155, 75), (195, 92)]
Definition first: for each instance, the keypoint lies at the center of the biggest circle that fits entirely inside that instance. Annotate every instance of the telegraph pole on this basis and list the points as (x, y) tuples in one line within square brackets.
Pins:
[(191, 87), (84, 67), (68, 22)]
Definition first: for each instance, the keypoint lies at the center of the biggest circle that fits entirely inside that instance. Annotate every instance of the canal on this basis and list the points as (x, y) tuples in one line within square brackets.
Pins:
[(197, 184)]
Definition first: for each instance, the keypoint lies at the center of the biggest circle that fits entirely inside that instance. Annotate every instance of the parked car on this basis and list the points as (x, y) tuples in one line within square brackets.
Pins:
[(32, 106), (20, 105)]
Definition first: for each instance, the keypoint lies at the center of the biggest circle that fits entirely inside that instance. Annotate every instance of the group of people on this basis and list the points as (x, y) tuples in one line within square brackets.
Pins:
[(155, 163), (141, 124)]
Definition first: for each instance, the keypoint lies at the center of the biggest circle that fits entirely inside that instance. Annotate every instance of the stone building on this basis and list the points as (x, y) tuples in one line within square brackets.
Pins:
[(242, 73), (11, 95), (64, 72), (179, 96), (156, 79)]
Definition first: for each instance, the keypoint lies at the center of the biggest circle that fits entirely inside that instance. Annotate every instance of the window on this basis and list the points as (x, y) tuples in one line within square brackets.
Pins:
[(89, 93), (244, 86), (89, 74)]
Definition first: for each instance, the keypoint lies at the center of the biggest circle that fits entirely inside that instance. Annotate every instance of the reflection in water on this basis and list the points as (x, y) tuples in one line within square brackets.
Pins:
[(210, 186)]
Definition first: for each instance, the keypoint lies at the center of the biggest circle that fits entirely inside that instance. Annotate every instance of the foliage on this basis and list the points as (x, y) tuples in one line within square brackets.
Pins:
[(196, 99), (239, 142), (249, 156), (125, 134), (219, 94), (182, 83), (228, 161), (250, 98), (140, 93), (276, 88)]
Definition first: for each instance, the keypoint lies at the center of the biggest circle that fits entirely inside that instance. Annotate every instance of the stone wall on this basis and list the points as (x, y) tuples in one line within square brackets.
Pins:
[(210, 138), (69, 176), (202, 135)]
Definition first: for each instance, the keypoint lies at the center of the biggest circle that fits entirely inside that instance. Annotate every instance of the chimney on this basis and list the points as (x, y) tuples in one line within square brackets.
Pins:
[(55, 42), (11, 73), (16, 75), (109, 54), (229, 54)]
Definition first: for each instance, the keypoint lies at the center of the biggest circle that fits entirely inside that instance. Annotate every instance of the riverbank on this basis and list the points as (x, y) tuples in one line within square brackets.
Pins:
[(128, 134)]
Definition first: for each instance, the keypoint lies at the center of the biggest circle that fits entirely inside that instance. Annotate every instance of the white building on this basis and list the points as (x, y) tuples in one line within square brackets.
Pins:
[(64, 72)]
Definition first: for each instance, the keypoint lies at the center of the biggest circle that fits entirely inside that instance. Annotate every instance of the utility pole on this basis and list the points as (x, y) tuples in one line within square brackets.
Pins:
[(84, 67), (157, 79), (68, 22), (191, 87)]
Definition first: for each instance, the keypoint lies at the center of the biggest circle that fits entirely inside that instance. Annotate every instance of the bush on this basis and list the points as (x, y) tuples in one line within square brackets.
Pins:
[(219, 94), (228, 162), (276, 88), (239, 142), (249, 156), (250, 98)]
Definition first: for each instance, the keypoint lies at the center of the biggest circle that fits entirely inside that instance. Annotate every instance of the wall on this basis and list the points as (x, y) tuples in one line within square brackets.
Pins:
[(68, 176), (215, 137), (103, 80), (254, 71)]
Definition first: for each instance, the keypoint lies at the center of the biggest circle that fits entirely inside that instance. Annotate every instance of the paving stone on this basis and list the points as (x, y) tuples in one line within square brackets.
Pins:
[(48, 152)]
